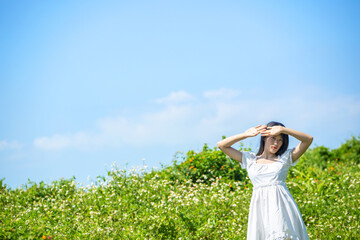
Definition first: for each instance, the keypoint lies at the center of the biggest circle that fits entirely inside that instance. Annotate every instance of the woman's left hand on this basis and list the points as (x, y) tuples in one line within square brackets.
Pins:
[(272, 131)]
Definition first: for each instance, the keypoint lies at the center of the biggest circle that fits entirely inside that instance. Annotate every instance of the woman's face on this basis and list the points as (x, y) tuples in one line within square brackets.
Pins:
[(273, 143)]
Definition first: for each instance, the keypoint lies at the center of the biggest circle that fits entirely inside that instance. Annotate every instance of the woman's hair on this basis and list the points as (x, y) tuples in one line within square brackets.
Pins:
[(285, 139)]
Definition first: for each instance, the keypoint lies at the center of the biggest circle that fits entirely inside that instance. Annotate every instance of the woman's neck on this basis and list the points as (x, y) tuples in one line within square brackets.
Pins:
[(268, 155)]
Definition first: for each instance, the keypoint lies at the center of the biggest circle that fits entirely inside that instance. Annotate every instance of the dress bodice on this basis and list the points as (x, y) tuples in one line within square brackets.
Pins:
[(267, 174)]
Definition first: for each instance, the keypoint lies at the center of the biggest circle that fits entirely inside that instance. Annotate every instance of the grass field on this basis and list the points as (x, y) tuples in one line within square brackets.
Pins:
[(201, 195)]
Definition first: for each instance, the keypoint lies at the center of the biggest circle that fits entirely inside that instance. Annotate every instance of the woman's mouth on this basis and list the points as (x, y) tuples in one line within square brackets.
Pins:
[(275, 148)]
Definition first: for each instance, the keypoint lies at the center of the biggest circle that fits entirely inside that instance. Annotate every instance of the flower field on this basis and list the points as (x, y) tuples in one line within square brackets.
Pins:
[(201, 195)]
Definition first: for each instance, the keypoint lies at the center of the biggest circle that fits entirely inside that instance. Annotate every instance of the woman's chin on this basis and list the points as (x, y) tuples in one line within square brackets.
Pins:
[(273, 151)]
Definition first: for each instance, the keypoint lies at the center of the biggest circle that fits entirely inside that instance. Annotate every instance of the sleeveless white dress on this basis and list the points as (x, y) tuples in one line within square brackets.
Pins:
[(273, 213)]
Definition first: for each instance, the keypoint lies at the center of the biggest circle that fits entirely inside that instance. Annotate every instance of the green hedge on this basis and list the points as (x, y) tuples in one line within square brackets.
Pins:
[(201, 195)]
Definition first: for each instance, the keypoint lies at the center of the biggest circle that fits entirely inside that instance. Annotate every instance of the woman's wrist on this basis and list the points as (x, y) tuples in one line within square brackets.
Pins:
[(245, 135), (284, 130), (228, 142)]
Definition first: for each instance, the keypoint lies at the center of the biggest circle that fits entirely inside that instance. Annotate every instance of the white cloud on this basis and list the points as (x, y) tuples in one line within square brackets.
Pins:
[(176, 97), (222, 93), (58, 141), (9, 145), (205, 120)]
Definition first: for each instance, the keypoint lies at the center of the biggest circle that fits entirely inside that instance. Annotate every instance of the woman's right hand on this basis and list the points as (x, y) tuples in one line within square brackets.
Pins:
[(252, 132)]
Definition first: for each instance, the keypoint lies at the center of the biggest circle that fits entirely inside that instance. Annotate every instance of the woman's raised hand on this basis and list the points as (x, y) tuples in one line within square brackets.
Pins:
[(252, 132), (272, 131)]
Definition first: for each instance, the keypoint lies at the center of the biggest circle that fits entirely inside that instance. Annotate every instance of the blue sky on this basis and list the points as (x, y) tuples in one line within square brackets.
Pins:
[(84, 84)]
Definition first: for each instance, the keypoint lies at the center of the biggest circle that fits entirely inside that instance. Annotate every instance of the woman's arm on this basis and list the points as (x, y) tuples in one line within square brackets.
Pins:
[(225, 144), (299, 150), (305, 139)]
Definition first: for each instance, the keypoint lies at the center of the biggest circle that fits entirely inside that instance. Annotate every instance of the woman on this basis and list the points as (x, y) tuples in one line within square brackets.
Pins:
[(273, 212)]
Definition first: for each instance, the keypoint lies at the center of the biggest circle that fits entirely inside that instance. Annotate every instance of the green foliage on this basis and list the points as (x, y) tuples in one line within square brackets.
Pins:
[(318, 157), (349, 151), (208, 164), (168, 204), (2, 185), (321, 156)]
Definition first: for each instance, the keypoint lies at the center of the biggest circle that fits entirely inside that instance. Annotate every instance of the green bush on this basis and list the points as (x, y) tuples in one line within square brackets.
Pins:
[(349, 151), (318, 156), (169, 204), (322, 156), (208, 164)]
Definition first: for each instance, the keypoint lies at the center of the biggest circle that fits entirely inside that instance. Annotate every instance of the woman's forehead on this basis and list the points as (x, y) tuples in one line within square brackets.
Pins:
[(276, 136)]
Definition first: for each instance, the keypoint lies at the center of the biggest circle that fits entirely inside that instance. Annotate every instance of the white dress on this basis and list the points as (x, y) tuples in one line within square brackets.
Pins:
[(273, 212)]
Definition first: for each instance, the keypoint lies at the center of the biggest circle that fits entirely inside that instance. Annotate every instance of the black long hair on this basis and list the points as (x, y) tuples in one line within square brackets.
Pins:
[(285, 139)]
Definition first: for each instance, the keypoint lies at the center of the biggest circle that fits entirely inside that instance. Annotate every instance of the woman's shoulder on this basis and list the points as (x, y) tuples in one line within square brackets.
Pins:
[(248, 158), (286, 156), (287, 152), (248, 154)]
